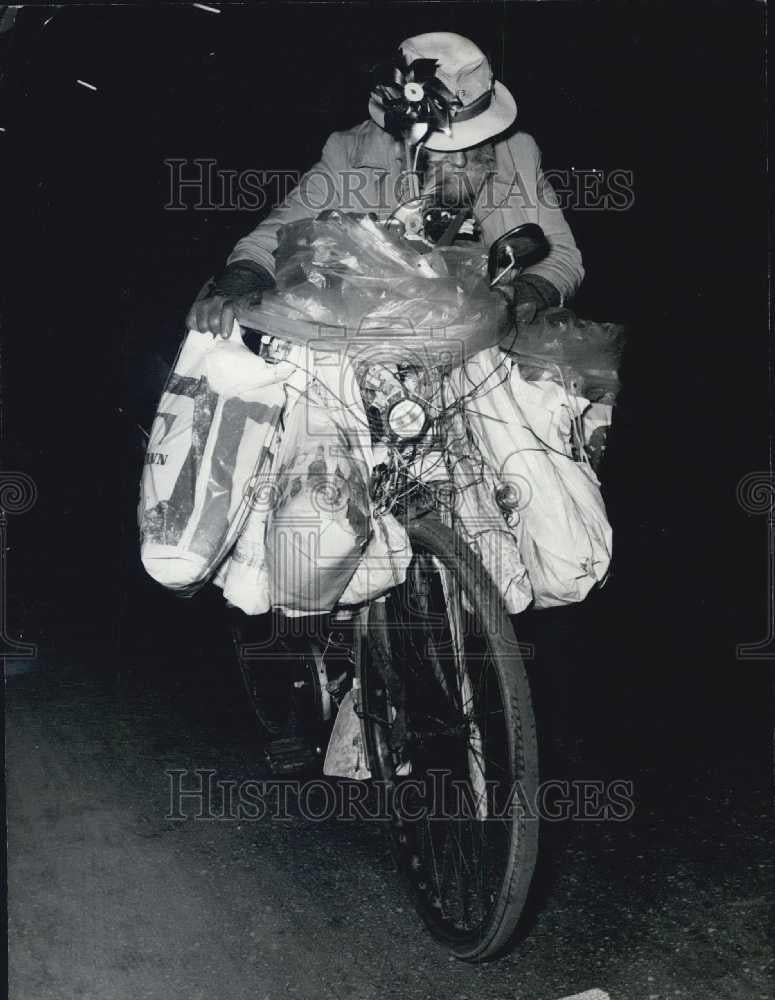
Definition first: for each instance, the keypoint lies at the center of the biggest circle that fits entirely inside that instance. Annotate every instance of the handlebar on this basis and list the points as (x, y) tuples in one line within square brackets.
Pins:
[(442, 347)]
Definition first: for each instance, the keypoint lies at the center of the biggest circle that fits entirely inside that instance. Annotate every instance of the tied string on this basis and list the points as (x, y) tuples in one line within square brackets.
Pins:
[(416, 96)]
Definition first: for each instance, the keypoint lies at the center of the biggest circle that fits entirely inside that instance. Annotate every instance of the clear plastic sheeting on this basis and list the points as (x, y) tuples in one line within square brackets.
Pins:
[(582, 356), (343, 275), (345, 270)]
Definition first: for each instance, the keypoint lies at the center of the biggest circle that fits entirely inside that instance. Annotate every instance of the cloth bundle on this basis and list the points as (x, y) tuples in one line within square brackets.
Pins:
[(311, 540), (560, 539)]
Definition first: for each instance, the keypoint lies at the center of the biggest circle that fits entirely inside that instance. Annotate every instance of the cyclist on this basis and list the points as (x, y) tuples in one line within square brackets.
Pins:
[(469, 157)]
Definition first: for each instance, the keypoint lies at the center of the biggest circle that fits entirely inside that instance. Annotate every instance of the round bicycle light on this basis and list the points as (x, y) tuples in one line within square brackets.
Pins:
[(407, 419)]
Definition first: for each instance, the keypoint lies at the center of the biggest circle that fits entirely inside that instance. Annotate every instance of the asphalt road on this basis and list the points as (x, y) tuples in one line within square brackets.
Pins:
[(110, 898)]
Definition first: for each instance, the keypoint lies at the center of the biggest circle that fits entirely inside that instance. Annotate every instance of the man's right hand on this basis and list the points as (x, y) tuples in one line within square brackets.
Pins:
[(241, 285), (213, 315)]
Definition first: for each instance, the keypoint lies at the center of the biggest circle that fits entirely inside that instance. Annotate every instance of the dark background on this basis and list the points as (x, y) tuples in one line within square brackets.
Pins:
[(98, 278)]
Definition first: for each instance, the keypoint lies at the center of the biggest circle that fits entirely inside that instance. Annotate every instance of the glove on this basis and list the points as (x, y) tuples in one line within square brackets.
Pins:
[(533, 294), (242, 279)]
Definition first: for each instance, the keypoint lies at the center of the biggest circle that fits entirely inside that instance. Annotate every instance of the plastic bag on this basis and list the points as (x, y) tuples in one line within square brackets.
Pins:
[(384, 563), (323, 546), (555, 507), (480, 518), (578, 354), (596, 422), (220, 408), (345, 271), (319, 525)]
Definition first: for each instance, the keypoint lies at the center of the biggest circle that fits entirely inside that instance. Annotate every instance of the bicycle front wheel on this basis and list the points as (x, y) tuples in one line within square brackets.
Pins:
[(449, 729)]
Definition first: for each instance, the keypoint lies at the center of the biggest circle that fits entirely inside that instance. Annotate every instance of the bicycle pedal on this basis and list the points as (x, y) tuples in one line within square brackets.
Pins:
[(291, 755), (345, 755)]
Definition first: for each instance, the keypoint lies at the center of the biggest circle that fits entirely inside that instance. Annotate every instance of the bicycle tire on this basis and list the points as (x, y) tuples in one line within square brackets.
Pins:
[(391, 700)]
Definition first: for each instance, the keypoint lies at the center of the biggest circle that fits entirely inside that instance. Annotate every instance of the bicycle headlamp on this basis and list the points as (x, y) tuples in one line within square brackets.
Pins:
[(407, 419)]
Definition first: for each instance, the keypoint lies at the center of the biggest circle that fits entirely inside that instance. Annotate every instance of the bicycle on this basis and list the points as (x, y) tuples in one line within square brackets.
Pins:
[(443, 700)]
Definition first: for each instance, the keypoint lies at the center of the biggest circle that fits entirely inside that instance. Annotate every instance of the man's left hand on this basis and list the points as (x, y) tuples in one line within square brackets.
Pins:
[(533, 294), (524, 301)]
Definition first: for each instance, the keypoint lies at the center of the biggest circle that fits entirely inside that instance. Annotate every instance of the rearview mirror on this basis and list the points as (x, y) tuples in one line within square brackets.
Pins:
[(519, 247)]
